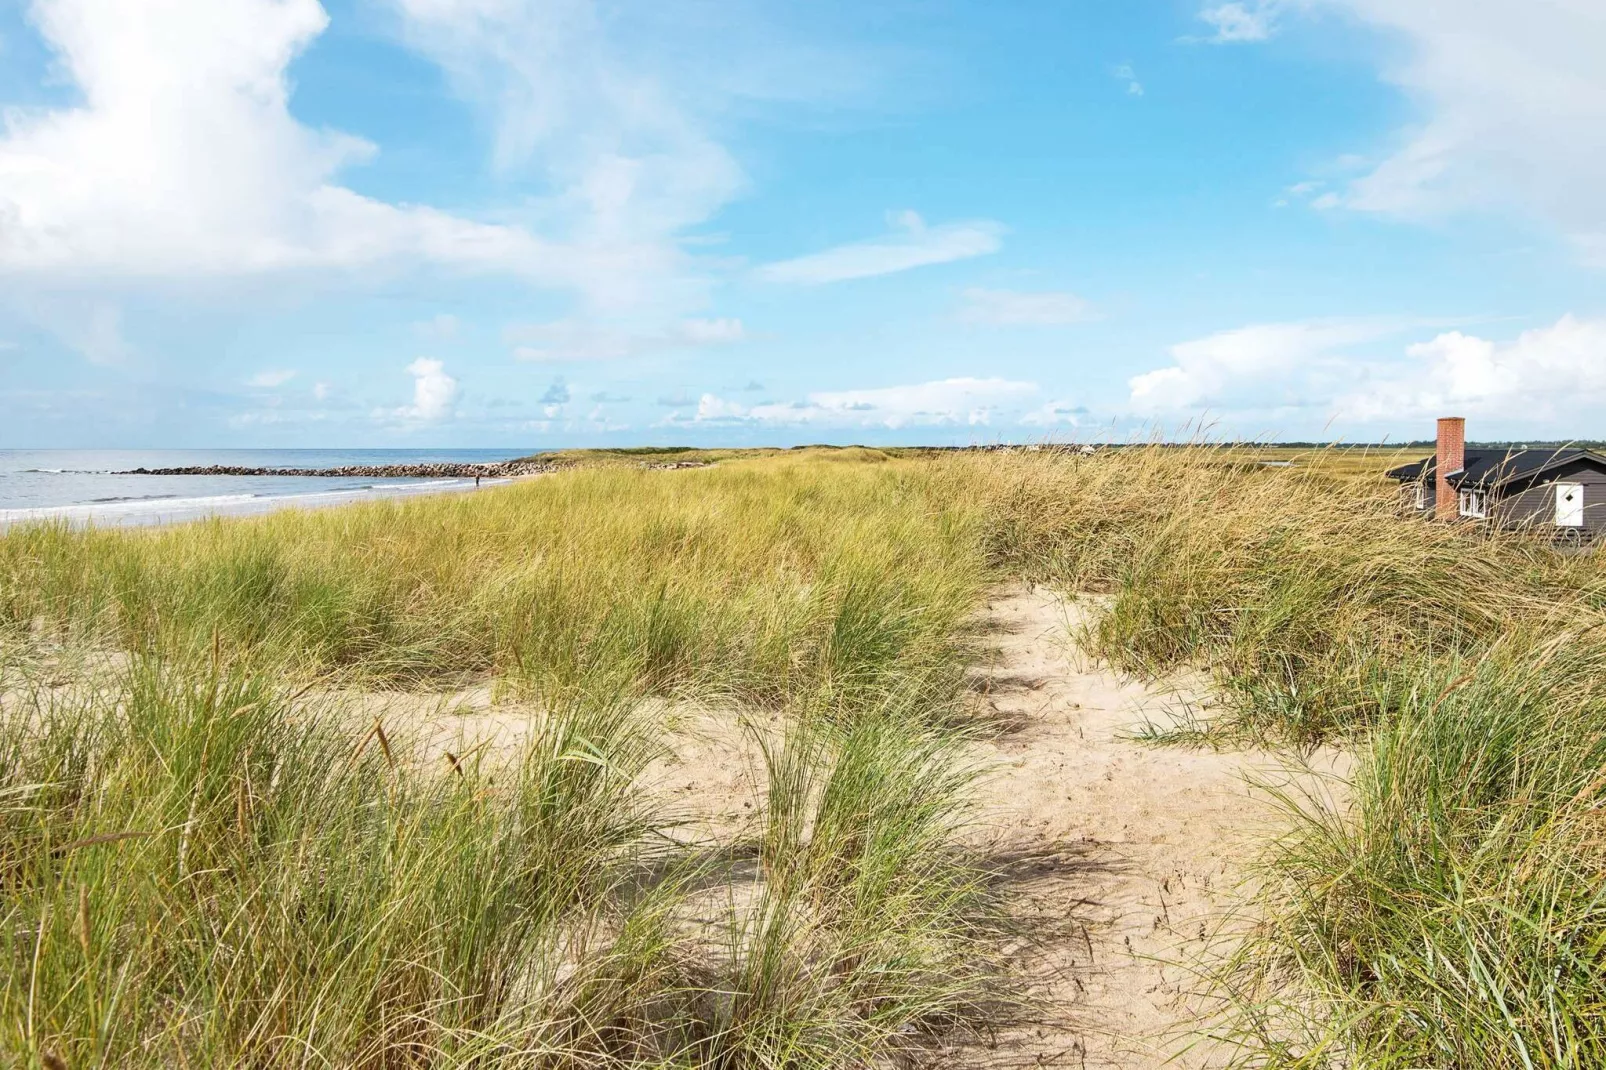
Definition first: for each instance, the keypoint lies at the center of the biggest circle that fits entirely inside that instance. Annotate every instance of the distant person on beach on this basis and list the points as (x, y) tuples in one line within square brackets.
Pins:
[(476, 481)]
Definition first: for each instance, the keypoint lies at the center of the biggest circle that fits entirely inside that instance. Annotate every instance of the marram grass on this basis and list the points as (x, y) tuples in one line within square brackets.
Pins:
[(759, 581), (1452, 913), (201, 868), (200, 872), (206, 864)]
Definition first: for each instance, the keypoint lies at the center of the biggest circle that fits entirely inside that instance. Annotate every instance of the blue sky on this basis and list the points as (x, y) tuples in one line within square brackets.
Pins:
[(570, 222)]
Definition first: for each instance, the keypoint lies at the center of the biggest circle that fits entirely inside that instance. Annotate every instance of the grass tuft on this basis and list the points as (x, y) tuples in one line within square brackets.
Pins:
[(1452, 912), (211, 856), (204, 866)]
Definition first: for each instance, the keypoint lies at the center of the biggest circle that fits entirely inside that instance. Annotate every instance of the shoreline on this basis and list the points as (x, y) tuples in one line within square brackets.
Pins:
[(163, 511)]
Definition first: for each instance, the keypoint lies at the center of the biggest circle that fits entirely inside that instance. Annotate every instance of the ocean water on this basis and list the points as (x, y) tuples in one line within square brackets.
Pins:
[(78, 485)]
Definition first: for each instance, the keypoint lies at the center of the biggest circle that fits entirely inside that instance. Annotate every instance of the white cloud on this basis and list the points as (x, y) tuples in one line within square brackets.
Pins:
[(1252, 20), (1512, 103), (575, 340), (1017, 308), (912, 244), (965, 401), (270, 379), (434, 392), (1548, 380), (1516, 100), (584, 100), (710, 407), (1548, 377), (944, 401), (183, 160), (1262, 364), (1123, 72)]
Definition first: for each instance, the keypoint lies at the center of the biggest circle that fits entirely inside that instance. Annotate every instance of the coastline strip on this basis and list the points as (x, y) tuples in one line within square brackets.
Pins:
[(430, 470)]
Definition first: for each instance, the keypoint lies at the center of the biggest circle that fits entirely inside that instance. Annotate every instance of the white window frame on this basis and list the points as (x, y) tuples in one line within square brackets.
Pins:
[(1472, 504)]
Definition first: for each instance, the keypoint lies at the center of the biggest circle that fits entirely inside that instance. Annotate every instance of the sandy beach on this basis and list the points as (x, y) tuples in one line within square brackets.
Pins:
[(136, 488), (142, 513)]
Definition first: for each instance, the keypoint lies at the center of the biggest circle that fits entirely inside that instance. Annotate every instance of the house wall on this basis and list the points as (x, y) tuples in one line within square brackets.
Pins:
[(1535, 502)]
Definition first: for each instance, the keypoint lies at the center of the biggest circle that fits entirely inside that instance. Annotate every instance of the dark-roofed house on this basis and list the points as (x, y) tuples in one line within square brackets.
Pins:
[(1562, 490)]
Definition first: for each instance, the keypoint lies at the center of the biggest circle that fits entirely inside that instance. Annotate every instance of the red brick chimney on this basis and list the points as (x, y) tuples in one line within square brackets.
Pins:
[(1450, 458)]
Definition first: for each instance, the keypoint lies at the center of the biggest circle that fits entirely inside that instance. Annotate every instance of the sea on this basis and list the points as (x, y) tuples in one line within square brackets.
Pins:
[(80, 487)]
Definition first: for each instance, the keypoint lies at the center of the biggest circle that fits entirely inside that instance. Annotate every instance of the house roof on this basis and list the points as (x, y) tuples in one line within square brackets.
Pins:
[(1487, 468)]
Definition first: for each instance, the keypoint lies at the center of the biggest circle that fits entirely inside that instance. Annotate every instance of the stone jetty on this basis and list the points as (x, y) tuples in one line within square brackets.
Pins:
[(438, 470)]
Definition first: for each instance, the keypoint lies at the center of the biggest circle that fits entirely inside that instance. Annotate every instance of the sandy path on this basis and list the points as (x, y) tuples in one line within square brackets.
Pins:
[(1126, 856), (1123, 859)]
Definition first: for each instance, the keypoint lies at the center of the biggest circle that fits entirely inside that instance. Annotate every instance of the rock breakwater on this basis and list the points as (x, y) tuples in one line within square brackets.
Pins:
[(438, 470)]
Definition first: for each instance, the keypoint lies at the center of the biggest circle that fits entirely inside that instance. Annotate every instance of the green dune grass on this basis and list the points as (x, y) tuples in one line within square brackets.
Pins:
[(206, 863), (763, 581), (205, 866), (1454, 913)]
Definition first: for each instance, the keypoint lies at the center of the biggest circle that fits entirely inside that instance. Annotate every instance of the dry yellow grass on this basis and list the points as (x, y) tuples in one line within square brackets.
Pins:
[(200, 867)]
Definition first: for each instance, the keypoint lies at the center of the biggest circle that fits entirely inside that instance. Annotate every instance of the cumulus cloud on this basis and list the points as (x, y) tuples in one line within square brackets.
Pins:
[(1011, 308), (182, 159), (1262, 364), (1123, 72), (578, 340), (272, 378), (710, 407), (1550, 376), (964, 401), (556, 394), (1370, 372), (434, 392), (911, 244)]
